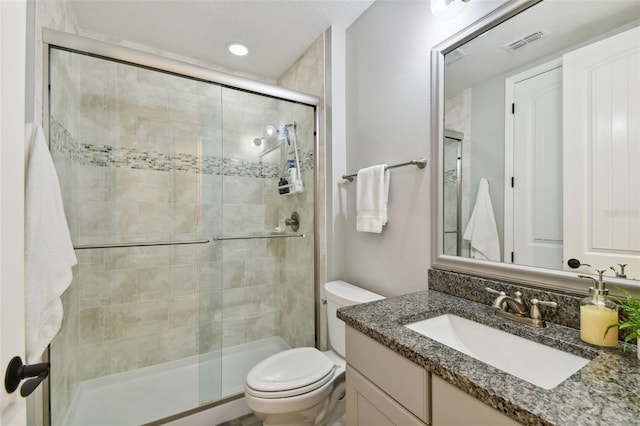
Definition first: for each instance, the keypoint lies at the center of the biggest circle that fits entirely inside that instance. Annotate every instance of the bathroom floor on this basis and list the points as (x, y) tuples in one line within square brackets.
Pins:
[(248, 420), (252, 420)]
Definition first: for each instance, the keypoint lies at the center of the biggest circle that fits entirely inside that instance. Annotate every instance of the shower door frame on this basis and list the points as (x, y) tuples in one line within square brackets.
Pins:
[(78, 44)]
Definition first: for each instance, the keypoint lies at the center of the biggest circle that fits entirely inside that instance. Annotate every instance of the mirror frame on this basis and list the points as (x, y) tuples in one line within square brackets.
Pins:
[(527, 275)]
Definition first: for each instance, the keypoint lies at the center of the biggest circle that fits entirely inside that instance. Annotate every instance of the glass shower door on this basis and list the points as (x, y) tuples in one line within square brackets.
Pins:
[(128, 144), (267, 294)]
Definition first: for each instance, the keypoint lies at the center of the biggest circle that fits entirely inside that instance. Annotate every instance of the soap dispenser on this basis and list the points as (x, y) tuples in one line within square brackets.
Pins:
[(597, 313)]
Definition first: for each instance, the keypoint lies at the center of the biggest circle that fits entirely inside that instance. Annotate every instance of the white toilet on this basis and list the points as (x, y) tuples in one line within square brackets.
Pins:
[(304, 386)]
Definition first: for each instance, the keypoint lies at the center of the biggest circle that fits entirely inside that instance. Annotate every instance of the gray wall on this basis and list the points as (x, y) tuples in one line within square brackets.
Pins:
[(388, 88)]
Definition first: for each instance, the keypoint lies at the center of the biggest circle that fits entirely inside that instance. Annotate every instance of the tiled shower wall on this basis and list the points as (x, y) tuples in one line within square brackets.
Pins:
[(296, 325), (147, 156)]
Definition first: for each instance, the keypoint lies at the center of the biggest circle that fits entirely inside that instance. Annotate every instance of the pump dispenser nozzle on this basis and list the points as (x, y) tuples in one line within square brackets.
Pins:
[(598, 285), (597, 313)]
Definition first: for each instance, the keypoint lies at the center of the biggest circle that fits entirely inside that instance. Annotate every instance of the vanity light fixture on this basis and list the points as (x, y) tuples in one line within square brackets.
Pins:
[(237, 49), (447, 9)]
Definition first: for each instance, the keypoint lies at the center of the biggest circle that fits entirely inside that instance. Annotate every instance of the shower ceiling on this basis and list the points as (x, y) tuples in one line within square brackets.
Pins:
[(276, 32)]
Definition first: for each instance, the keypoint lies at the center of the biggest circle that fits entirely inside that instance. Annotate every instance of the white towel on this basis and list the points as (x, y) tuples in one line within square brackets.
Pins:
[(49, 254), (372, 196), (481, 230)]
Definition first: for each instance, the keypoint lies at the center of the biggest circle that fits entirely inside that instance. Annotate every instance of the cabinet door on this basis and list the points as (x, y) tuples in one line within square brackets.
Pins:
[(402, 380), (453, 407), (367, 405)]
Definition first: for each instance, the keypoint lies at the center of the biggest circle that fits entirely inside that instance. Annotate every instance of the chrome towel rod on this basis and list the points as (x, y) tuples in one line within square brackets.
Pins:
[(252, 237), (420, 163), (142, 244)]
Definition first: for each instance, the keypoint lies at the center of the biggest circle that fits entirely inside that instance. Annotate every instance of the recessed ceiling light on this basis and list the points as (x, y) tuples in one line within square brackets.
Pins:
[(237, 49)]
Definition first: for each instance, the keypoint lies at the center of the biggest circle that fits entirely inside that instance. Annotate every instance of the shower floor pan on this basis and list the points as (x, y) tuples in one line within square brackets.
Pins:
[(152, 393)]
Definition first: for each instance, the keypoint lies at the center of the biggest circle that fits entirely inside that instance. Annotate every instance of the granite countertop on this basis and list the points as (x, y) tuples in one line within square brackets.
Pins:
[(604, 392)]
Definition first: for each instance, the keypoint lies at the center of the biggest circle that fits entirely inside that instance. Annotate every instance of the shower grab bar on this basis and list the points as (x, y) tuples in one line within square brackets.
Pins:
[(420, 163), (142, 244), (252, 237)]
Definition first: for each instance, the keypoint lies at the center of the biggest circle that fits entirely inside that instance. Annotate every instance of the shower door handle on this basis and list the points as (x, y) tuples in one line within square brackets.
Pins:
[(16, 372)]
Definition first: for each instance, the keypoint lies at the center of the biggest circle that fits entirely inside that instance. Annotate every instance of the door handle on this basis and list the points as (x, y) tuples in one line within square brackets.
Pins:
[(17, 371)]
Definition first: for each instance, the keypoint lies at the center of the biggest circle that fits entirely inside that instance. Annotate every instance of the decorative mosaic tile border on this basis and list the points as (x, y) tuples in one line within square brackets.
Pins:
[(123, 157)]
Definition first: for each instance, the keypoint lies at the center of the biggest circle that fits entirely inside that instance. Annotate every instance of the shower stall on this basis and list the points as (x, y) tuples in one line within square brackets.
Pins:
[(189, 269)]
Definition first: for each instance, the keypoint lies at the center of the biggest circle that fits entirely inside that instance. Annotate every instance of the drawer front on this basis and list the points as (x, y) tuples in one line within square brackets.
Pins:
[(400, 378), (451, 406)]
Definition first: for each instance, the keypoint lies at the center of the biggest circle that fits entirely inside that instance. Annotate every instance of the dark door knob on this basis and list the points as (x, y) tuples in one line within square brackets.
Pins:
[(575, 263), (17, 371)]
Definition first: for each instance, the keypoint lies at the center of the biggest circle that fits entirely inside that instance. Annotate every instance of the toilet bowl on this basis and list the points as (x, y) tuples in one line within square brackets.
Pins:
[(304, 386)]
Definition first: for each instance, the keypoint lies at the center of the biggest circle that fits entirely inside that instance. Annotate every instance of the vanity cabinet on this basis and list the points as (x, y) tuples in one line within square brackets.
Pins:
[(386, 389)]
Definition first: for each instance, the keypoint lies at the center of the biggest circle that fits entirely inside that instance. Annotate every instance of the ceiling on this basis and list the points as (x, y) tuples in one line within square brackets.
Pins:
[(565, 25), (277, 32)]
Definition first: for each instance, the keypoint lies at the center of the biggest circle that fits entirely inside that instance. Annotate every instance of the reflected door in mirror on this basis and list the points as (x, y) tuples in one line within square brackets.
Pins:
[(536, 171), (602, 153)]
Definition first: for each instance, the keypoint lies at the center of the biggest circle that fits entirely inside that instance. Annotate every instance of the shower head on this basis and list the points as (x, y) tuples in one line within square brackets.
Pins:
[(269, 133)]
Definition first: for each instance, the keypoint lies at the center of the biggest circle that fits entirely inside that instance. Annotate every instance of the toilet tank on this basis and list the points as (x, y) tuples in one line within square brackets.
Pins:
[(339, 294)]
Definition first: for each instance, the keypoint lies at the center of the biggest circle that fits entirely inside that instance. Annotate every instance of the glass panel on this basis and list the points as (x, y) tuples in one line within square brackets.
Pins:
[(128, 144), (452, 195), (268, 283)]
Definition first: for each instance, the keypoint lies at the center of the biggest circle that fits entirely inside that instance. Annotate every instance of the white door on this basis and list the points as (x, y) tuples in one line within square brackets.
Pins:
[(602, 153), (535, 181), (12, 94)]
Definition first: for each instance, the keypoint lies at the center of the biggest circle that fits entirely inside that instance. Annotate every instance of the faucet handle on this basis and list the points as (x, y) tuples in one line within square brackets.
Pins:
[(503, 304), (518, 297), (499, 293), (534, 310)]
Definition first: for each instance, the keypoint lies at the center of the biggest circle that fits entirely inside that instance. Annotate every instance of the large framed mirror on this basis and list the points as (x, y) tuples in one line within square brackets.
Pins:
[(536, 111)]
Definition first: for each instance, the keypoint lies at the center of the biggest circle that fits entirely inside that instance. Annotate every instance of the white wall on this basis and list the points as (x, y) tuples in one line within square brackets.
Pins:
[(335, 99), (12, 116), (388, 88)]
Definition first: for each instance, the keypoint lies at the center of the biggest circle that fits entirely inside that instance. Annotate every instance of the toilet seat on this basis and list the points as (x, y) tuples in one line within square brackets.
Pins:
[(290, 373)]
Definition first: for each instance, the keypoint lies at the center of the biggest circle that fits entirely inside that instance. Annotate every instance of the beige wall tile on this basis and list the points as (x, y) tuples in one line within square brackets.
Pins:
[(124, 355), (136, 319), (154, 283), (183, 311), (262, 326)]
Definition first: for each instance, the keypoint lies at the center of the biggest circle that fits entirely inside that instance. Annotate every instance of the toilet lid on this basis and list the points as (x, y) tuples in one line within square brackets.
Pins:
[(290, 369)]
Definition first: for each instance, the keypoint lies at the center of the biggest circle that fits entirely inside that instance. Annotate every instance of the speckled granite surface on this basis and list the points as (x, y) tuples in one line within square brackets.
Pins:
[(604, 392)]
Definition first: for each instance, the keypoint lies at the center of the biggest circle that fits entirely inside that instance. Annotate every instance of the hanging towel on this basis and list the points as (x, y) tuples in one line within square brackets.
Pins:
[(481, 230), (372, 196), (49, 254)]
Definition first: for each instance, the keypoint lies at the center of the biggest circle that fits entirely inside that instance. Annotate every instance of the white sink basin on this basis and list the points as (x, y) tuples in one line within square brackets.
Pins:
[(536, 363)]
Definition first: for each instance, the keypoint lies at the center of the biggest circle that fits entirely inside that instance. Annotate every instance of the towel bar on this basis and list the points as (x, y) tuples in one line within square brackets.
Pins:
[(258, 236), (420, 163), (141, 244)]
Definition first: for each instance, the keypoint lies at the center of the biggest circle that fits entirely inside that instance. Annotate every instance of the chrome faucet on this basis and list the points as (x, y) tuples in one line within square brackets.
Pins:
[(515, 305), (516, 309), (620, 274)]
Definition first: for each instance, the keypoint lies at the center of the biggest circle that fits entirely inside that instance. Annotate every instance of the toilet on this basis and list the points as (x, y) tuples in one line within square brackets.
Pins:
[(303, 386)]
